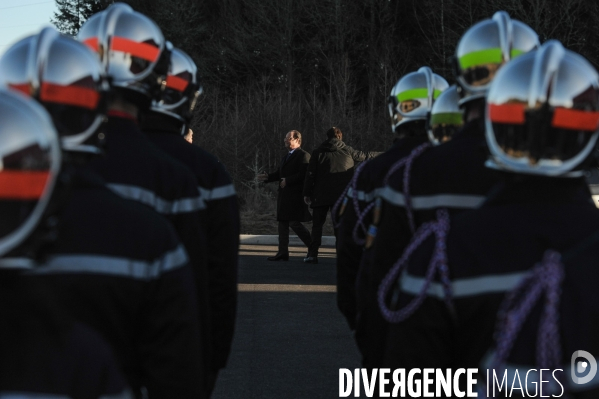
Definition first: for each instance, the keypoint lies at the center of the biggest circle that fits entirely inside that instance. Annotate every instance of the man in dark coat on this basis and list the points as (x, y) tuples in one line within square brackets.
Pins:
[(330, 171), (291, 209)]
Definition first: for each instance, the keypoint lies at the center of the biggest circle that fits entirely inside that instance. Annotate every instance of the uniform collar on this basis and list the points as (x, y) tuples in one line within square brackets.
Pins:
[(515, 189)]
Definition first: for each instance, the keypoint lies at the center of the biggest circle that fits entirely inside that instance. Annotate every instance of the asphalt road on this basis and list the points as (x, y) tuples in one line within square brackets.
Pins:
[(290, 339)]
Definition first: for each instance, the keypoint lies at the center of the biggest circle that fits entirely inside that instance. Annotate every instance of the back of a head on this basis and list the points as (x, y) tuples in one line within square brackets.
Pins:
[(29, 164), (334, 133), (543, 113), (484, 49), (67, 79), (132, 50), (413, 96)]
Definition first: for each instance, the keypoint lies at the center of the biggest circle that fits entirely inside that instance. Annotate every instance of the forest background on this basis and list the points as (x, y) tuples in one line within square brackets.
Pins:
[(270, 66)]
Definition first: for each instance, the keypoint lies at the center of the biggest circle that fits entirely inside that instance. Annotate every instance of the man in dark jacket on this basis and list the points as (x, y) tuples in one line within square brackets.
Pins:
[(291, 210), (330, 171)]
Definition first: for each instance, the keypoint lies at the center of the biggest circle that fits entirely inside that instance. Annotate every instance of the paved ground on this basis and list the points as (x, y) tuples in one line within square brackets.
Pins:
[(290, 339)]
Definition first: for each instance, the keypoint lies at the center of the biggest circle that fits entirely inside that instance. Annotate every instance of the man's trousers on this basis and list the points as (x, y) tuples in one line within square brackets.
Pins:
[(319, 216), (302, 232)]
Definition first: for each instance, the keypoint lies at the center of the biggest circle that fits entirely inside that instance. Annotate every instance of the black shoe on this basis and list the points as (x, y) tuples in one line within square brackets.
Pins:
[(311, 259), (279, 256)]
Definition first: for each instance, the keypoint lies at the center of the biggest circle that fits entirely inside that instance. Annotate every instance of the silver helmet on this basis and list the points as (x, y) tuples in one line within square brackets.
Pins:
[(446, 117), (29, 164), (484, 48), (543, 113), (131, 47), (182, 89), (66, 77), (413, 95)]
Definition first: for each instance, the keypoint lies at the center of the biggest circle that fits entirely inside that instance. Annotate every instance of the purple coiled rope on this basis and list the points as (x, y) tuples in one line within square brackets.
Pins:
[(354, 185), (405, 161), (440, 228), (546, 277), (360, 223)]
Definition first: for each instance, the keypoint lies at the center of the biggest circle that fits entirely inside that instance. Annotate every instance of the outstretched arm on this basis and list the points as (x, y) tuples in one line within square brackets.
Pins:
[(360, 156), (269, 177)]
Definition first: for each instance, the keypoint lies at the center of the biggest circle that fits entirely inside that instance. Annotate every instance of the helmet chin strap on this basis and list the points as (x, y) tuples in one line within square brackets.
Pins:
[(118, 103), (474, 109), (411, 129)]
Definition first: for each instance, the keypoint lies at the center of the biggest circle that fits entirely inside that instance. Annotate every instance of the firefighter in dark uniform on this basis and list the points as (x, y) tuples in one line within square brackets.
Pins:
[(43, 352), (135, 56), (117, 266), (451, 176), (354, 212), (522, 267), (165, 123)]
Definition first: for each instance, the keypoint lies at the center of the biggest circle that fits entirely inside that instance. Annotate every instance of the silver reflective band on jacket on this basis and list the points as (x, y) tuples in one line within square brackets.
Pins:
[(161, 205), (114, 266), (463, 287), (217, 193), (420, 202)]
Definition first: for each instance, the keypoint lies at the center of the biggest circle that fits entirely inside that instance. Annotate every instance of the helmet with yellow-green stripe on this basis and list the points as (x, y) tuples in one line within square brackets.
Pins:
[(484, 48), (446, 117), (413, 95)]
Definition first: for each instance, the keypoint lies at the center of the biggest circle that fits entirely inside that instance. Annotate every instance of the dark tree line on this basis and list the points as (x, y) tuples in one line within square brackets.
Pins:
[(270, 66)]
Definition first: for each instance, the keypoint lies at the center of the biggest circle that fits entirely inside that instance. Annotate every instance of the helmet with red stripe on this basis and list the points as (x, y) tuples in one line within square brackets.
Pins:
[(182, 89), (485, 48), (29, 163), (543, 113), (132, 50), (66, 77), (413, 95)]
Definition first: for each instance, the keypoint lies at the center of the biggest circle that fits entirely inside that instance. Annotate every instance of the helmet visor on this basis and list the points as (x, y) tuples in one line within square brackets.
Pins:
[(29, 162), (550, 141)]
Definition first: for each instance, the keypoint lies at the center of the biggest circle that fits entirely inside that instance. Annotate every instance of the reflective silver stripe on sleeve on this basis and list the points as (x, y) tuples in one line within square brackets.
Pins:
[(100, 264), (217, 193), (433, 201), (464, 287), (364, 196), (393, 197), (533, 377), (161, 205)]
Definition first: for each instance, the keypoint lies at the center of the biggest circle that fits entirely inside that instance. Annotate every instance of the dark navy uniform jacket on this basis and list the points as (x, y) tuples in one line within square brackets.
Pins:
[(221, 221), (44, 354), (349, 253), (134, 168), (490, 251), (119, 267), (451, 175)]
